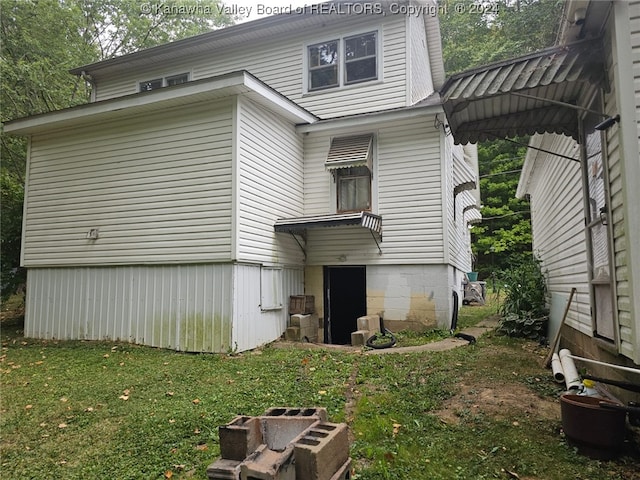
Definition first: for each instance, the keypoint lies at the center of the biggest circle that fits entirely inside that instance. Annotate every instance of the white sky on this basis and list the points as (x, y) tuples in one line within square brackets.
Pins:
[(263, 8)]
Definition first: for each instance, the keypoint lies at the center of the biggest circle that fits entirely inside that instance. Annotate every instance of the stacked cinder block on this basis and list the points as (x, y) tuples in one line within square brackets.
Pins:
[(303, 321), (367, 326), (283, 444)]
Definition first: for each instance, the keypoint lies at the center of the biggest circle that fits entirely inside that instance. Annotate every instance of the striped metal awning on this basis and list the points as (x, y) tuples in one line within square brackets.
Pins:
[(536, 93), (347, 152), (299, 225)]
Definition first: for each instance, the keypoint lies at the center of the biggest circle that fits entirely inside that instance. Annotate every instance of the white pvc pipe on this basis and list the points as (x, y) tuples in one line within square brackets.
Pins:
[(556, 368), (612, 365), (571, 377)]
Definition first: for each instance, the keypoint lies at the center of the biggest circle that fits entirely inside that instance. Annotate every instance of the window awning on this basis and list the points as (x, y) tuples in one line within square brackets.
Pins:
[(536, 93), (347, 152), (299, 225)]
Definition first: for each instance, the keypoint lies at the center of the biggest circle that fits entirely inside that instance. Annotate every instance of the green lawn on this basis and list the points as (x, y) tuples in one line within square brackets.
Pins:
[(112, 410)]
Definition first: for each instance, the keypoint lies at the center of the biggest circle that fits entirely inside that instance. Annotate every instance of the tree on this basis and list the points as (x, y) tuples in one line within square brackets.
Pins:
[(40, 41), (478, 33)]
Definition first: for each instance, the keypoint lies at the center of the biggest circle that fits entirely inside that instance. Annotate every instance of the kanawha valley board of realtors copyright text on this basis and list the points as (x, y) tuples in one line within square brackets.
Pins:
[(365, 8)]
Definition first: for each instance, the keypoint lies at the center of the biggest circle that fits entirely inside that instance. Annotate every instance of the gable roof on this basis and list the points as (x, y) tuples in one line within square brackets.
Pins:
[(535, 93)]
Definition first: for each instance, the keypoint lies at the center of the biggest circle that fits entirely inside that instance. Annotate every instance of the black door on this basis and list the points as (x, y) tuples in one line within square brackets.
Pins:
[(345, 299)]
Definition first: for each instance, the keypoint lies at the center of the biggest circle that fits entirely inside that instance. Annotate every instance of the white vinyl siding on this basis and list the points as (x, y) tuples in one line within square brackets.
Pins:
[(557, 219), (620, 186), (270, 170), (158, 188), (406, 192), (279, 64), (419, 75)]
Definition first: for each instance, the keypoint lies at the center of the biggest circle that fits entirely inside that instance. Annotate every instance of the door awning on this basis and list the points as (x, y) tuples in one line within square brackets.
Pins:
[(535, 93), (347, 152), (299, 225)]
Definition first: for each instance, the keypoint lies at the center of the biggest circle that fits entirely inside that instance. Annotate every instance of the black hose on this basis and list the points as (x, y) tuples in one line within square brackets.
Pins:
[(454, 316), (372, 340)]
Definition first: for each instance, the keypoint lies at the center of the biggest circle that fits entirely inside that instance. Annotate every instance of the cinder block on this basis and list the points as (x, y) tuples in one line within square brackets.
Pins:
[(369, 322), (223, 469), (308, 325), (359, 337), (322, 451), (292, 334), (319, 413), (269, 464), (240, 437)]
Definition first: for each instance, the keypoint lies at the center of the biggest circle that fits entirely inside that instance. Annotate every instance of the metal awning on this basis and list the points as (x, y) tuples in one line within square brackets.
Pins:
[(299, 225), (536, 93), (347, 152)]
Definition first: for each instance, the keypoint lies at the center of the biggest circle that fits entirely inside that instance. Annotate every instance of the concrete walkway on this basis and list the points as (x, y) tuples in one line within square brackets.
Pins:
[(450, 343)]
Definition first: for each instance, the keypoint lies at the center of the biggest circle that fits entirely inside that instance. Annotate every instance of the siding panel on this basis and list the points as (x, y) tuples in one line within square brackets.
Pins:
[(184, 307), (157, 188), (270, 183), (279, 63)]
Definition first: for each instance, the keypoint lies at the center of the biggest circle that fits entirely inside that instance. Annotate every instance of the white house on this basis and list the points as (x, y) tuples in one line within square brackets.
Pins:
[(582, 171), (211, 178)]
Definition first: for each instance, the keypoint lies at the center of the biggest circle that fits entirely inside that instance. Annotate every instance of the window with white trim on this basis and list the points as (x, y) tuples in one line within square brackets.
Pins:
[(345, 61), (353, 189), (169, 81)]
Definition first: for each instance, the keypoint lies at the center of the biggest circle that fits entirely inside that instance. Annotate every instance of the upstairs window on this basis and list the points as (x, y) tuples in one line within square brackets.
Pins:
[(342, 62), (323, 65), (360, 58), (170, 81)]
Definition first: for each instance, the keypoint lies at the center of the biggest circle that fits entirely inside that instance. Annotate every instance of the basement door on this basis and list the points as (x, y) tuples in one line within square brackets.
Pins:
[(345, 299)]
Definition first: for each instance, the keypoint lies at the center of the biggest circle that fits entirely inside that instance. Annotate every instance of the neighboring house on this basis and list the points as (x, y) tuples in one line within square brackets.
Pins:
[(582, 172), (213, 177)]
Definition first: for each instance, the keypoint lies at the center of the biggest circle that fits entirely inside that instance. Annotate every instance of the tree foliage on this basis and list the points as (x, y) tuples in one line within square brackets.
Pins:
[(506, 29), (40, 41)]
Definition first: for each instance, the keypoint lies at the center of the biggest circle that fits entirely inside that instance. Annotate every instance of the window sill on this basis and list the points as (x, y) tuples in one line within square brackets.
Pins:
[(606, 345), (343, 88)]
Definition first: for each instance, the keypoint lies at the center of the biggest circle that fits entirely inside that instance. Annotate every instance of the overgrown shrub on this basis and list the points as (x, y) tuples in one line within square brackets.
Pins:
[(523, 309)]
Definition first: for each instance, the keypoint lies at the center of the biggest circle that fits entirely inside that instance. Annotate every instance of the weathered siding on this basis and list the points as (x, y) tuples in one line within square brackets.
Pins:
[(253, 327), (270, 185), (158, 188), (406, 190), (279, 63), (183, 307), (623, 158), (557, 219), (419, 71)]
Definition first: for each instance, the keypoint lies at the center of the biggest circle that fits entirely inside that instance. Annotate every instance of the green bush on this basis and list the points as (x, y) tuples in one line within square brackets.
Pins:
[(523, 309)]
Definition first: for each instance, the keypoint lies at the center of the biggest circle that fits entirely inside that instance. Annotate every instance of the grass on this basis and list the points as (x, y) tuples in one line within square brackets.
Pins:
[(113, 410)]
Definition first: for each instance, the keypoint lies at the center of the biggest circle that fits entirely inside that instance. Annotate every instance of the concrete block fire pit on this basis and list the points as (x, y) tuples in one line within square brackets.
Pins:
[(283, 444)]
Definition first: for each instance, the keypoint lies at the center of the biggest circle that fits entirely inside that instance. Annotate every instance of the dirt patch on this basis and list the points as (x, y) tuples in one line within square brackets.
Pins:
[(513, 402)]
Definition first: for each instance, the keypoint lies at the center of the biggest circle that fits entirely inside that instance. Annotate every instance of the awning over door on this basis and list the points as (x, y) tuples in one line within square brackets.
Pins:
[(535, 93), (299, 225), (347, 152)]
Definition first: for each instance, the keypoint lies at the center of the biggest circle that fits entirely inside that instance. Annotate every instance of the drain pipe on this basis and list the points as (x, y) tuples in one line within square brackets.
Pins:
[(611, 365), (571, 377), (556, 368)]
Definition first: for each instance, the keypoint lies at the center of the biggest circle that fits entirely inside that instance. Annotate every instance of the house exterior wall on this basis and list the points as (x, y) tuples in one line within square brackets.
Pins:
[(183, 307), (253, 326), (623, 147), (269, 185), (279, 62), (158, 188), (419, 69), (407, 194), (557, 222)]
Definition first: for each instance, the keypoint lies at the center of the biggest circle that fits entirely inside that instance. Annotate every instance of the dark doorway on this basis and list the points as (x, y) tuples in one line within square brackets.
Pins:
[(345, 299)]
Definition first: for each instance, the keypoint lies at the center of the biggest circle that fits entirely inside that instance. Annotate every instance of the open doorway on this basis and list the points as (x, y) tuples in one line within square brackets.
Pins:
[(345, 299)]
